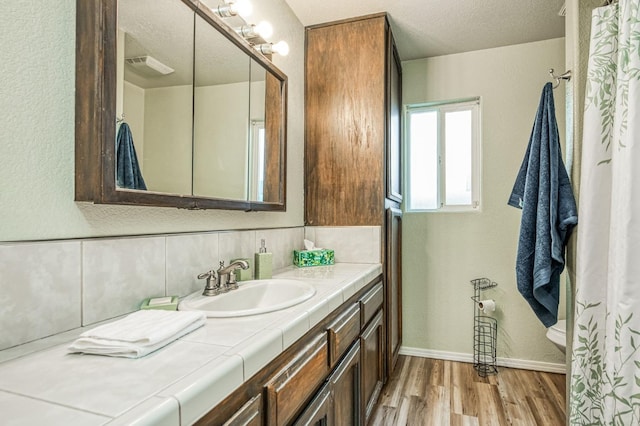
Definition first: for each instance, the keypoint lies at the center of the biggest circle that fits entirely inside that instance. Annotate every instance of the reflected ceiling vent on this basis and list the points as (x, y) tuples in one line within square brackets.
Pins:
[(149, 66)]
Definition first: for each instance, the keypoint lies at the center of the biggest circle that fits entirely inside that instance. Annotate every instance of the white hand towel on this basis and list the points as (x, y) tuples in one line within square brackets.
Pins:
[(138, 334)]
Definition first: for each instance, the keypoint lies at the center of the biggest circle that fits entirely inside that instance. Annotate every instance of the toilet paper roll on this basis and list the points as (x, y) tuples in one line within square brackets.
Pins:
[(487, 306)]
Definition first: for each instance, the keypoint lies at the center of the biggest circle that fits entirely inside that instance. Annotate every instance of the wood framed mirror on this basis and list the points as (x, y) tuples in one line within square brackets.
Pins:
[(209, 134)]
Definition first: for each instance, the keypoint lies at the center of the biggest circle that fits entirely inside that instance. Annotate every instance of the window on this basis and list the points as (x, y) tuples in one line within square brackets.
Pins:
[(257, 161), (443, 153)]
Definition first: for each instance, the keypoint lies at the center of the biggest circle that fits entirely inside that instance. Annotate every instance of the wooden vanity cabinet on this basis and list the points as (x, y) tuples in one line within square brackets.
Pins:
[(322, 379), (353, 143)]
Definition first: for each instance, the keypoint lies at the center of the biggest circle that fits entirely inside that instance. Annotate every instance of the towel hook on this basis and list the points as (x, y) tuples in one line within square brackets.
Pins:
[(557, 78), (120, 119)]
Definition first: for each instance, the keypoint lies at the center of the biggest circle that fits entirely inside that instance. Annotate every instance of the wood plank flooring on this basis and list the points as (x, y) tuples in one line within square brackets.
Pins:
[(435, 392)]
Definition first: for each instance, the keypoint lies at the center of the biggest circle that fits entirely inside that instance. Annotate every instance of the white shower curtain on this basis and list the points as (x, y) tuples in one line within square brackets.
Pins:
[(605, 379)]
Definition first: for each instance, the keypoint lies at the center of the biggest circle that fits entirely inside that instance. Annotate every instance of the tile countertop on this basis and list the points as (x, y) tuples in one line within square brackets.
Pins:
[(41, 382)]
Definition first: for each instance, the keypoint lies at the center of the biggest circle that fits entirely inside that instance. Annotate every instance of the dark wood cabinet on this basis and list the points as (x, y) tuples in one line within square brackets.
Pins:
[(372, 350), (346, 114), (331, 375), (353, 143)]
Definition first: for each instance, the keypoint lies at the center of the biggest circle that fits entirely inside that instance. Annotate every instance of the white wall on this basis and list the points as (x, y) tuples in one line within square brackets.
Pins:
[(167, 138), (221, 140), (443, 252), (37, 96)]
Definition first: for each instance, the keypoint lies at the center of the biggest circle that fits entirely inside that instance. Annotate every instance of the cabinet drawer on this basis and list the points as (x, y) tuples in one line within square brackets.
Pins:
[(292, 386), (371, 302), (249, 415), (342, 332)]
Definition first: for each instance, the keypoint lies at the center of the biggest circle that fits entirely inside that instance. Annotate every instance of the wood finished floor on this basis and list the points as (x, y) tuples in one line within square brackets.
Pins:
[(434, 392)]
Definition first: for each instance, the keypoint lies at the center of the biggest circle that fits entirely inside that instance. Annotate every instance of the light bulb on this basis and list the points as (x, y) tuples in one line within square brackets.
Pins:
[(242, 8), (264, 29), (281, 48)]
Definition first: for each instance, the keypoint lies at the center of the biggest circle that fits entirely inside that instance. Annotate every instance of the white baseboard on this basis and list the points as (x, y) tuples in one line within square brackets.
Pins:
[(523, 364)]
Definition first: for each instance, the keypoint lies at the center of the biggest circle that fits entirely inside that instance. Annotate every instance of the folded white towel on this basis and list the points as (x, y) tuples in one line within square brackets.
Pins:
[(138, 334)]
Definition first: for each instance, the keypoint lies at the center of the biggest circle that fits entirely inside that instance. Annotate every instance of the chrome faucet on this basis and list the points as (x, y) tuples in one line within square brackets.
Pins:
[(226, 279), (227, 276)]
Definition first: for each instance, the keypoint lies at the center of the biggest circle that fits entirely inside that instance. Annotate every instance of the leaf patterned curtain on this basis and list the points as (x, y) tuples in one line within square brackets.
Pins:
[(605, 380)]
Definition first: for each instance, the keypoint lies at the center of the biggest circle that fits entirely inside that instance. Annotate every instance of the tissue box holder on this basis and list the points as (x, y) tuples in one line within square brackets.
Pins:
[(304, 258)]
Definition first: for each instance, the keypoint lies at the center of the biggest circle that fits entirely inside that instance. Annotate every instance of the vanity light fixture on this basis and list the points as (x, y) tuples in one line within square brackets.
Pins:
[(281, 48), (233, 8), (263, 29)]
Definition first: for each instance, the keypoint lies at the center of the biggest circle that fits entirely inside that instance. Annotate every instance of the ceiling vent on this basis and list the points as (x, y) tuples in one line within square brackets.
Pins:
[(149, 66)]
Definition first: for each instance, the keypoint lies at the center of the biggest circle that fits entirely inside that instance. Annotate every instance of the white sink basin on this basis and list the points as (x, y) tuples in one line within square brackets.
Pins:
[(251, 298)]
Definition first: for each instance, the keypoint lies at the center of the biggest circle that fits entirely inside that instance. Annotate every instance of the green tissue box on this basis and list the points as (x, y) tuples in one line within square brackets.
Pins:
[(302, 258)]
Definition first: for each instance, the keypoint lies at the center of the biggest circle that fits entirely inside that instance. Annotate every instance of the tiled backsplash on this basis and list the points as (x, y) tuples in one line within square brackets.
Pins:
[(55, 286)]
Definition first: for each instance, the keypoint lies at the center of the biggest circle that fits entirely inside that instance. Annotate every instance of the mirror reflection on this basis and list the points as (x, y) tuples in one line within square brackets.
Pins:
[(221, 115), (154, 93), (205, 118)]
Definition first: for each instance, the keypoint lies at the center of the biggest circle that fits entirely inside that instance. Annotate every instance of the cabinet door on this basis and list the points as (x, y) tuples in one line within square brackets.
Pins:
[(345, 128), (394, 113), (372, 347), (249, 415), (393, 307), (345, 389), (319, 411)]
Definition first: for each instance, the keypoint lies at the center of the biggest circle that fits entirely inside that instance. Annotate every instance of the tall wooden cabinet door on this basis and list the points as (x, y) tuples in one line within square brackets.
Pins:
[(345, 388), (372, 347), (345, 126), (394, 157), (393, 306)]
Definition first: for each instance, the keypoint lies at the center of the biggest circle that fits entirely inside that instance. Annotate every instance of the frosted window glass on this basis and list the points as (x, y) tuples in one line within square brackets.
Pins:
[(424, 160), (458, 143)]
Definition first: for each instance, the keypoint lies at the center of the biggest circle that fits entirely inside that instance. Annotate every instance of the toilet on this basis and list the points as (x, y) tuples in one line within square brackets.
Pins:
[(557, 333)]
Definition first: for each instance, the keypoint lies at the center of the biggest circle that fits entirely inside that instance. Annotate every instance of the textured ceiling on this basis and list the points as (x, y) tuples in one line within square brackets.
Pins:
[(426, 28)]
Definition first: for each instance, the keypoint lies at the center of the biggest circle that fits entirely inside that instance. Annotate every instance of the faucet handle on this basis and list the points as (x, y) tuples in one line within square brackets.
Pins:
[(232, 284), (209, 289), (208, 275)]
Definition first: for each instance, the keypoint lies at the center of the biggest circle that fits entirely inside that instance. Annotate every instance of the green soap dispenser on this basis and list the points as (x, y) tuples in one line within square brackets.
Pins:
[(264, 263)]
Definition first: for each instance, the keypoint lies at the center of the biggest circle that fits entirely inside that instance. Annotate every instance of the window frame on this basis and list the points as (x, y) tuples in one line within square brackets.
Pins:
[(443, 107)]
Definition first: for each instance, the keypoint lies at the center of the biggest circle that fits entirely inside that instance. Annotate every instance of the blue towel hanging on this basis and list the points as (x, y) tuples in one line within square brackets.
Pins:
[(549, 213), (128, 173)]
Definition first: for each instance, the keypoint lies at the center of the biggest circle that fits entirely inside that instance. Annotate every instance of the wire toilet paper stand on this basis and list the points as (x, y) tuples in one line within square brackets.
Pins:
[(485, 332)]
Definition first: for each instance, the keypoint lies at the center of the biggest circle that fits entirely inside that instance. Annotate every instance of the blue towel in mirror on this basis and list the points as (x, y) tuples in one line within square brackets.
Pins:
[(128, 174), (549, 213)]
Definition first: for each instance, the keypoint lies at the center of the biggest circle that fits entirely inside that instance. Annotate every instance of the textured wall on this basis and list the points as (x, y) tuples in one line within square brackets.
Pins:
[(442, 252), (37, 109)]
